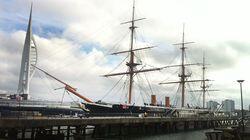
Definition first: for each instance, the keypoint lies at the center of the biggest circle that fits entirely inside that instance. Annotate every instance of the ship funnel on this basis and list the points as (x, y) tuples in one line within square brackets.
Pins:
[(167, 102), (153, 100)]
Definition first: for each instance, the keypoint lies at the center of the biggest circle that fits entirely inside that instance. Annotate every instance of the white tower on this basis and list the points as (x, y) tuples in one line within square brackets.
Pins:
[(29, 58)]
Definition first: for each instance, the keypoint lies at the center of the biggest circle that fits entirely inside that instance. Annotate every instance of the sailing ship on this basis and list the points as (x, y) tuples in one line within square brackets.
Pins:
[(103, 108)]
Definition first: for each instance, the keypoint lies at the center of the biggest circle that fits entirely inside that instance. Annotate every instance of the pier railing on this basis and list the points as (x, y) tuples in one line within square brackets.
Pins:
[(104, 126)]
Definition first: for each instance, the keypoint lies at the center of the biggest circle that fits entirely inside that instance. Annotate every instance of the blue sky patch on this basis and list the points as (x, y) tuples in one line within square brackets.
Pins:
[(14, 22), (88, 46), (45, 31)]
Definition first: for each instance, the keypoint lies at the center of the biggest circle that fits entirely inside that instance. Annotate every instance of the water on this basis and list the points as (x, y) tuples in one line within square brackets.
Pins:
[(189, 135)]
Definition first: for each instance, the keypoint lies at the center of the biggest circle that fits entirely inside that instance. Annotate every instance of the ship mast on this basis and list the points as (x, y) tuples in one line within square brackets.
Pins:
[(183, 76), (204, 86), (131, 64)]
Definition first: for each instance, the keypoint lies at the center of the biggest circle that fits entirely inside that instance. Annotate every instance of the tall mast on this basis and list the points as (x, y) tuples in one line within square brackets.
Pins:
[(203, 87), (29, 58), (183, 76), (131, 64)]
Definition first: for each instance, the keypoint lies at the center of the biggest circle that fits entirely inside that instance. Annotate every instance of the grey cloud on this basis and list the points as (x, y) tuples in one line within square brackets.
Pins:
[(10, 59), (239, 47), (216, 56)]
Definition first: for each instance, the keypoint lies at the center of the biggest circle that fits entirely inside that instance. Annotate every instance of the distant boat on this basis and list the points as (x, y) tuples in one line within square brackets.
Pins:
[(15, 108)]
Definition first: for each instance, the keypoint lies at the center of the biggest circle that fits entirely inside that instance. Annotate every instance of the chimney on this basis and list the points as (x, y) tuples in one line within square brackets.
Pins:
[(153, 100), (167, 102)]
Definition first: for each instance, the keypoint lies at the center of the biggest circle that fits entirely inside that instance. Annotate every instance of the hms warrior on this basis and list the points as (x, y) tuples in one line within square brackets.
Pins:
[(101, 108)]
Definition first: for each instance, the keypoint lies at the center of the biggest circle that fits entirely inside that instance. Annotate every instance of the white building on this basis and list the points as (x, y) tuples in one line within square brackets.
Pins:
[(228, 106), (212, 105)]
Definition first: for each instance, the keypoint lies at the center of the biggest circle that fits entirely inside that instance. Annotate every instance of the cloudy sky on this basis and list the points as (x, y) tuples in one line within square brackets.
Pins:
[(74, 39)]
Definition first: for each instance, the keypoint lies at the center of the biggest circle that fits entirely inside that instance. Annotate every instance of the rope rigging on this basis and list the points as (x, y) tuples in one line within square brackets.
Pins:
[(89, 37), (124, 90), (193, 98), (46, 81), (118, 65), (142, 85), (142, 90), (114, 47), (150, 87), (112, 87), (177, 95)]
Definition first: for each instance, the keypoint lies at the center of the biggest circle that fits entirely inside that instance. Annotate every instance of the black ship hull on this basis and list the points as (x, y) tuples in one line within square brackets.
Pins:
[(100, 109)]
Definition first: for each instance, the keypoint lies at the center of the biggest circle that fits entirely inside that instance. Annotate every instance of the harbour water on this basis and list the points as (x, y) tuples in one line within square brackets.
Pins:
[(190, 135), (187, 135)]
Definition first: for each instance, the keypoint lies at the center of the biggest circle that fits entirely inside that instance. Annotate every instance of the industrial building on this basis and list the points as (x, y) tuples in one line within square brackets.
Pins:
[(212, 105), (228, 106)]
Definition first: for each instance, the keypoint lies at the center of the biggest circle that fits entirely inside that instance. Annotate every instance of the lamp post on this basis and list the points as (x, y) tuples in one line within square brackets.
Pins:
[(242, 113)]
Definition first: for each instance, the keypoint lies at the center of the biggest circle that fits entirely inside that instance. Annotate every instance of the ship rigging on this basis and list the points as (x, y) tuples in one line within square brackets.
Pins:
[(101, 108), (184, 75), (131, 64)]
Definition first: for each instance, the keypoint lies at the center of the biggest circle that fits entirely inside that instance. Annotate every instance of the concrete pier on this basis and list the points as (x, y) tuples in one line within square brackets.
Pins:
[(66, 128)]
